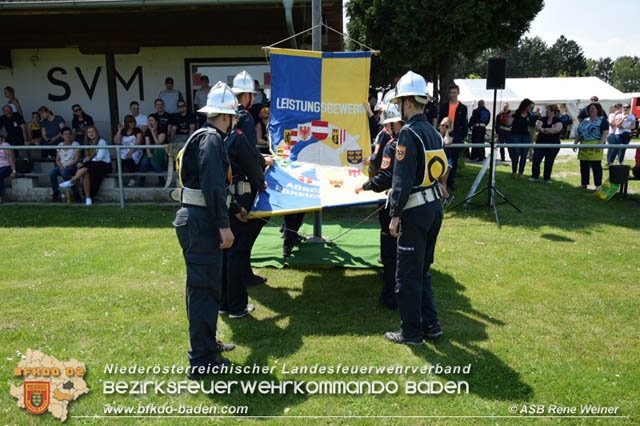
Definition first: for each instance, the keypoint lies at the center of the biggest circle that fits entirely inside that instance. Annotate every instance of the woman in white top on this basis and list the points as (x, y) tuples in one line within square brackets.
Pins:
[(95, 166), (129, 135)]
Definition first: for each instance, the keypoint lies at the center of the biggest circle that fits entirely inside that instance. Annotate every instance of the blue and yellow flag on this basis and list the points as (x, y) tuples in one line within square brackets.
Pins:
[(319, 131)]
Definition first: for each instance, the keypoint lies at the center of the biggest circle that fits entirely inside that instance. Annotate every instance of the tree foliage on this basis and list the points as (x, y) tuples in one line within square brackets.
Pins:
[(626, 74)]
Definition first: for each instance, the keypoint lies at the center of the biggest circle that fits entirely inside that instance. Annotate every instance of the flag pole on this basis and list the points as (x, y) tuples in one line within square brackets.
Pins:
[(316, 45)]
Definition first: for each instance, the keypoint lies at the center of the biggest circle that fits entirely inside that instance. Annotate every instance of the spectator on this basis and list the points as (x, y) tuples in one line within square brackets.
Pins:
[(12, 100), (262, 129), (95, 166), (14, 125), (548, 129), (565, 119), (519, 122), (129, 135), (66, 161), (583, 112), (163, 118), (535, 116), (623, 123), (480, 117), (142, 122), (457, 113), (504, 130), (636, 168), (34, 136), (445, 131), (7, 165), (200, 98), (80, 121), (592, 130), (431, 111), (260, 98), (51, 126), (170, 97), (183, 124), (156, 158)]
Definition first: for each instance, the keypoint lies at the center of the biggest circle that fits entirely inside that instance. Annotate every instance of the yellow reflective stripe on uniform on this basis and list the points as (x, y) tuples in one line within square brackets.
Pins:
[(435, 162), (184, 148)]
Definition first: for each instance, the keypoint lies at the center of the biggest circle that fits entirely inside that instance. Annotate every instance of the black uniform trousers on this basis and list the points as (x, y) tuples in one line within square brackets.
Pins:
[(255, 226), (200, 242), (477, 136), (419, 226), (292, 223), (388, 247)]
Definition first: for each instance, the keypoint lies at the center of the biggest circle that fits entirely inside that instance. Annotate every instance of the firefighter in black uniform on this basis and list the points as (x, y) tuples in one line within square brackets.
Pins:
[(378, 183), (416, 212), (244, 88), (202, 226)]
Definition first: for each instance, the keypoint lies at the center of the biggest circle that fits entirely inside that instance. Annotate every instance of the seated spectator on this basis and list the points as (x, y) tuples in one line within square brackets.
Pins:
[(129, 135), (80, 122), (154, 158), (7, 165), (12, 100), (95, 166), (14, 125), (262, 130), (34, 136), (141, 120), (164, 118), (51, 127), (66, 164), (183, 124), (170, 97), (548, 129)]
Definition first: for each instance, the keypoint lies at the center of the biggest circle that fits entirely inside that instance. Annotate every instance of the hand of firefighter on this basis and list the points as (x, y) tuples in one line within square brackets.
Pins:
[(227, 238)]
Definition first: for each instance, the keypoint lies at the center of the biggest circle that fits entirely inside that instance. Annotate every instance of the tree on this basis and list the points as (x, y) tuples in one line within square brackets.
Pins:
[(626, 74), (566, 58), (601, 68), (428, 36)]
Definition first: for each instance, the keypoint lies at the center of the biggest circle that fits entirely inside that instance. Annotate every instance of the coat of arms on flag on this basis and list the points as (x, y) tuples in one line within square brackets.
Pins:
[(290, 137), (355, 156), (338, 136), (319, 129), (304, 132)]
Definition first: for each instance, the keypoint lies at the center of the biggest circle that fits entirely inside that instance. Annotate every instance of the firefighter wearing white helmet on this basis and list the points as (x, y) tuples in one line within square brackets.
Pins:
[(416, 212), (380, 182), (202, 225)]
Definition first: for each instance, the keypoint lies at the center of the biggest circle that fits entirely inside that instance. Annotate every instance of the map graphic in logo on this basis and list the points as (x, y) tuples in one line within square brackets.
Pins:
[(49, 385)]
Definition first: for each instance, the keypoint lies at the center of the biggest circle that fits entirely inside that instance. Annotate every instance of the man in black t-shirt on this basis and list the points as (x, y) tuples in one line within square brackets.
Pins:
[(163, 117), (183, 124), (14, 125)]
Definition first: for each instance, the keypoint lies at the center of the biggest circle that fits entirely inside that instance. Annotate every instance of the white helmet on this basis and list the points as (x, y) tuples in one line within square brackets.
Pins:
[(391, 114), (411, 84), (220, 100), (243, 83), (388, 96)]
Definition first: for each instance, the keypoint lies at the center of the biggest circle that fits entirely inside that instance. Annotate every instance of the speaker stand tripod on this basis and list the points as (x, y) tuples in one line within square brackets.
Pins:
[(491, 184)]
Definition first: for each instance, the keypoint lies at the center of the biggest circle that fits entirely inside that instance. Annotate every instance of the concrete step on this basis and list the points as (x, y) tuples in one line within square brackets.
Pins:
[(105, 195)]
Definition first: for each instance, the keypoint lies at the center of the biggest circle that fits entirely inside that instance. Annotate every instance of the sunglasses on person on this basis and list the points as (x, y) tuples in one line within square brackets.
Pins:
[(182, 106), (626, 107), (77, 110), (446, 126)]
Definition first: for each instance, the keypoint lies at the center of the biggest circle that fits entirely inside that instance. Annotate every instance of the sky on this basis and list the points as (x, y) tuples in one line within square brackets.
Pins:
[(602, 28)]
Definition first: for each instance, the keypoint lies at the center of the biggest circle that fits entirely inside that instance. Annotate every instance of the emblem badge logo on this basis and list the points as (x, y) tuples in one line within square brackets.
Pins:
[(37, 396)]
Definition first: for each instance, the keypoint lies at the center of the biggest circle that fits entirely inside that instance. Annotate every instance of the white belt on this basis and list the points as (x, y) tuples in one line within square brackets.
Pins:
[(480, 125), (193, 197), (427, 195), (240, 188)]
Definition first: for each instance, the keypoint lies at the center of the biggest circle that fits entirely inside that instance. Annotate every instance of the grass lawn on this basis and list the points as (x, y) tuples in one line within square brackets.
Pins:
[(545, 310)]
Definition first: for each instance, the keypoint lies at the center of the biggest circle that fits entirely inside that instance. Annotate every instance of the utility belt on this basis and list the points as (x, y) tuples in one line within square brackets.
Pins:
[(193, 197), (504, 128), (422, 196), (240, 188), (480, 125)]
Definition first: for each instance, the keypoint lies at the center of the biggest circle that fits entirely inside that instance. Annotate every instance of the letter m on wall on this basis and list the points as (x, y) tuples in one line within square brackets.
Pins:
[(136, 73)]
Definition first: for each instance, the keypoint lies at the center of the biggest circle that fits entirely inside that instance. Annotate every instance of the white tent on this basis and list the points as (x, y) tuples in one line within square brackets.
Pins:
[(574, 92)]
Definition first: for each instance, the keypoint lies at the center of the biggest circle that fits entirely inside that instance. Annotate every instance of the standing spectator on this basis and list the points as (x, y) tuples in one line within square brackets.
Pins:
[(262, 129), (51, 128), (163, 118), (584, 113), (565, 119), (14, 125), (34, 136), (611, 138), (96, 165), (636, 167), (592, 130), (183, 124), (66, 161), (12, 100), (200, 98), (129, 135), (142, 122), (504, 130), (548, 129), (519, 122), (155, 158), (535, 116), (80, 121), (480, 117), (260, 98), (445, 129), (170, 97), (7, 165), (457, 113), (623, 123)]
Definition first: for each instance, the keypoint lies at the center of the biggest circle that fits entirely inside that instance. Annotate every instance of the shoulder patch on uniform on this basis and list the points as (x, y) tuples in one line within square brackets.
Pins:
[(240, 132), (386, 162), (400, 152)]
